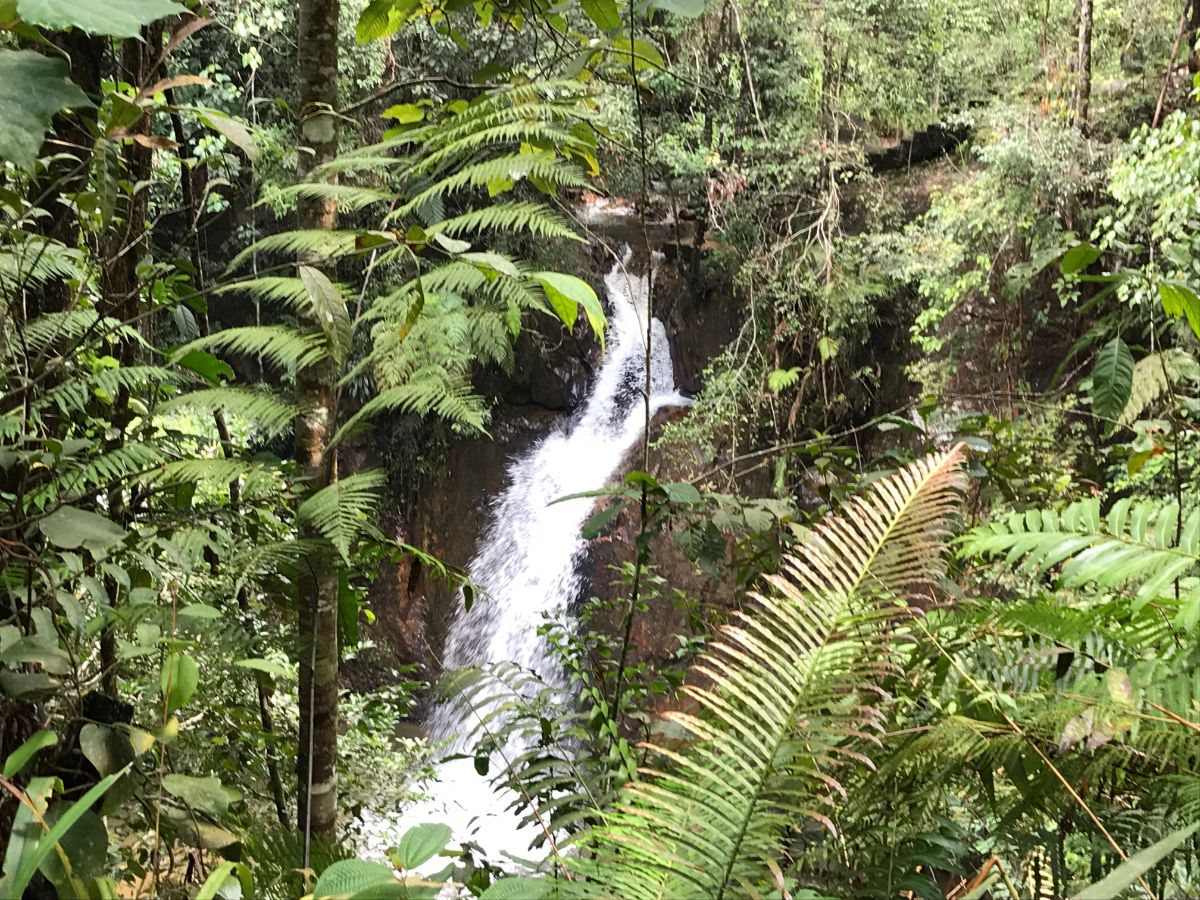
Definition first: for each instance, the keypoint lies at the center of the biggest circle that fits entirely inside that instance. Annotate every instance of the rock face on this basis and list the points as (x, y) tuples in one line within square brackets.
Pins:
[(552, 377)]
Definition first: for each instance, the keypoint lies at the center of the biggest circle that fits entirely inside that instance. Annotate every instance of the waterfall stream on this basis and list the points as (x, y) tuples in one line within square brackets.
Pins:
[(528, 561)]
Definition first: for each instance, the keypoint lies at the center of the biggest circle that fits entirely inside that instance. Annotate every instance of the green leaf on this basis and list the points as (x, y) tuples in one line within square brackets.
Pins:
[(1124, 875), (601, 520), (1112, 379), (349, 877), (204, 794), (1178, 299), (681, 492), (421, 843), (18, 758), (124, 19), (263, 665), (33, 88), (781, 379), (206, 365), (329, 309), (404, 113), (566, 294), (382, 18), (31, 861), (180, 676), (233, 131), (516, 889), (1079, 258), (71, 528), (604, 13), (105, 748), (222, 874), (85, 844), (200, 611), (339, 510)]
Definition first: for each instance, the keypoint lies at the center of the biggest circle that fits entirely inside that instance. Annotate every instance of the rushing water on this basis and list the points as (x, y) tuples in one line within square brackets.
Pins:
[(529, 559)]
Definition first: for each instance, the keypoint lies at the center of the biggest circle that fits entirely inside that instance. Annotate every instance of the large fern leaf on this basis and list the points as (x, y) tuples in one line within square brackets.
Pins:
[(1140, 545), (792, 701), (339, 510)]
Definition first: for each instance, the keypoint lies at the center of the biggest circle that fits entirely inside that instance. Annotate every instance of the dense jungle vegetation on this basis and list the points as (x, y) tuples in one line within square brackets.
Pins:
[(940, 483)]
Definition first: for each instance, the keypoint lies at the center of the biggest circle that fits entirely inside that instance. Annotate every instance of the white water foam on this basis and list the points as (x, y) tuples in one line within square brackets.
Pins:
[(528, 564)]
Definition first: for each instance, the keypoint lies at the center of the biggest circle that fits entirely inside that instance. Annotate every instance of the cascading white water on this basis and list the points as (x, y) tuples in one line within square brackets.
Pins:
[(528, 562)]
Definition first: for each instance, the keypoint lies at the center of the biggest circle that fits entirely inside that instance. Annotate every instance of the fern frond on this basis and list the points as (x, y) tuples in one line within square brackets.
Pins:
[(513, 166), (510, 217), (792, 702), (1133, 547), (339, 511), (110, 467), (278, 290), (1153, 375), (267, 411), (422, 396), (310, 242), (72, 396), (70, 327), (278, 344), (349, 197)]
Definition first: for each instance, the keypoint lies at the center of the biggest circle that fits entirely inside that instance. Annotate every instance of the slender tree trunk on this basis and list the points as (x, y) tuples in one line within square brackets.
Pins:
[(1193, 32), (318, 650), (1083, 92)]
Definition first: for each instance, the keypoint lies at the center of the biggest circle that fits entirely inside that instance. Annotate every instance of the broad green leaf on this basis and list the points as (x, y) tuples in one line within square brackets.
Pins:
[(1178, 300), (566, 294), (180, 676), (1126, 874), (604, 13), (18, 758), (349, 877), (681, 492), (601, 520), (1079, 258), (263, 665), (206, 366), (517, 888), (105, 748), (329, 309), (204, 794), (645, 55), (421, 843), (85, 844), (33, 89), (233, 131), (404, 113), (200, 611), (71, 528), (123, 19), (25, 831), (1112, 379)]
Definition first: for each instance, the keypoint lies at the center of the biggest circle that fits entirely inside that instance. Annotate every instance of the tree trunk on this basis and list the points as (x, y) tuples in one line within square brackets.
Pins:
[(1193, 32), (318, 650), (1083, 62)]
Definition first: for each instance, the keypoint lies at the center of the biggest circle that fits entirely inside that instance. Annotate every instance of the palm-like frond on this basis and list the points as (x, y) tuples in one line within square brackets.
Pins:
[(278, 344), (1141, 545), (510, 217), (793, 698), (266, 410), (1153, 375), (339, 511)]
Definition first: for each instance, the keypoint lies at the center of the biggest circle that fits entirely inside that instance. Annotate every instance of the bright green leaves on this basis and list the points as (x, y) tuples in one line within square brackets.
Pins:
[(688, 9), (1179, 300), (567, 294), (70, 529), (404, 113), (329, 309), (205, 795), (782, 379), (33, 89), (122, 20), (180, 677), (382, 19), (20, 757), (1112, 380), (357, 878)]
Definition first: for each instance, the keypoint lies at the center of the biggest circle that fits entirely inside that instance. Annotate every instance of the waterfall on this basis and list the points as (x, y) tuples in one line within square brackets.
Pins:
[(528, 561)]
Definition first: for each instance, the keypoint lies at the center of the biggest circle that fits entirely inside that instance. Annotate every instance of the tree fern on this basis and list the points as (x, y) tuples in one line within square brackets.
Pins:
[(793, 701), (1153, 375), (280, 345), (511, 217), (267, 411)]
